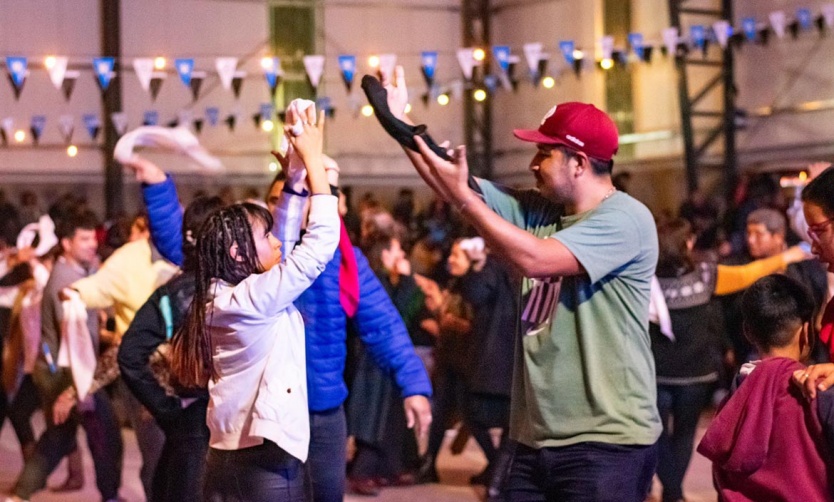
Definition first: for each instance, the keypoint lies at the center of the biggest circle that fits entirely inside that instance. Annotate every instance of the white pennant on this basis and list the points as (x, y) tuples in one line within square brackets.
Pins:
[(57, 71), (144, 71), (7, 124), (226, 68), (119, 120), (670, 39), (66, 124), (722, 32), (314, 65), (466, 60), (533, 53), (185, 118), (777, 21), (387, 62), (828, 14), (607, 45)]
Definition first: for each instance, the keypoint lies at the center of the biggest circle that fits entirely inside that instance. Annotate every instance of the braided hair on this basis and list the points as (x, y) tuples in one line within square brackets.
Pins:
[(191, 359)]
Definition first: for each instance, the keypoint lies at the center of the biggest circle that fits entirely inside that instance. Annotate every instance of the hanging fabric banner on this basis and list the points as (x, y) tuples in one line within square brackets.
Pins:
[(777, 22), (57, 68), (213, 115), (387, 62), (103, 68), (36, 127), (273, 73), (226, 68), (157, 78), (428, 65), (670, 40), (501, 53), (151, 118), (567, 48), (532, 54), (7, 129), (237, 82), (185, 67), (119, 120), (197, 78), (466, 61), (143, 67), (723, 31), (66, 124), (314, 66), (635, 42), (347, 66), (93, 125), (16, 66)]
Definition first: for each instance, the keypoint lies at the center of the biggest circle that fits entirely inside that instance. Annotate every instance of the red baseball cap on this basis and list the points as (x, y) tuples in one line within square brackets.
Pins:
[(580, 126)]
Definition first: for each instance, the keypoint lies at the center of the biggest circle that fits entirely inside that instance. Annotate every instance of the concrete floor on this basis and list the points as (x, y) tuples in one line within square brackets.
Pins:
[(454, 473)]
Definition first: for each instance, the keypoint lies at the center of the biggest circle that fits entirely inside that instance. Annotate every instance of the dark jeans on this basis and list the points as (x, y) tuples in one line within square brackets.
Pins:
[(181, 469), (449, 397), (681, 405), (593, 472), (263, 473), (325, 468), (21, 409), (103, 438), (149, 437)]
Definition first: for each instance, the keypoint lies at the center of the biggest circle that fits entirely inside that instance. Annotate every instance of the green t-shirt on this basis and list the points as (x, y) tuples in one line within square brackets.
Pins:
[(583, 365)]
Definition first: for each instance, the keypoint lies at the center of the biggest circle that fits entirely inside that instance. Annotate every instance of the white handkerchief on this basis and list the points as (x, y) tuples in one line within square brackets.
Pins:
[(178, 139)]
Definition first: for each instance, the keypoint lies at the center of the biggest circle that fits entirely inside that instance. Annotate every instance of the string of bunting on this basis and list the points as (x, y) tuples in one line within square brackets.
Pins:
[(473, 64)]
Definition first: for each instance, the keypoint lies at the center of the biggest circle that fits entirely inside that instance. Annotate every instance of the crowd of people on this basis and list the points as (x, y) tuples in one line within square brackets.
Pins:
[(296, 348)]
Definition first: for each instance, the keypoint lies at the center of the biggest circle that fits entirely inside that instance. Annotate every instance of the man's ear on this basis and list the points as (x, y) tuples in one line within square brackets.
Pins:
[(66, 243), (582, 163), (805, 339)]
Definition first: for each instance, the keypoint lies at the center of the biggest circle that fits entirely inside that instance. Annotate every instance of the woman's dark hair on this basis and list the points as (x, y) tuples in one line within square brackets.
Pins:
[(191, 355), (674, 258), (192, 220), (820, 191)]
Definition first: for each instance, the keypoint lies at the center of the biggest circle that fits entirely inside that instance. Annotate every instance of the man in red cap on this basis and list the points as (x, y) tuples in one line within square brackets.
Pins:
[(584, 413)]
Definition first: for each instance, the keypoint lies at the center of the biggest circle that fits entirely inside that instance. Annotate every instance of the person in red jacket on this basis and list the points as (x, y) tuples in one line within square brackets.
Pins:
[(767, 442)]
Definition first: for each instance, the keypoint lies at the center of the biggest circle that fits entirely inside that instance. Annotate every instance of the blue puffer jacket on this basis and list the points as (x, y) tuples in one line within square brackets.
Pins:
[(380, 326)]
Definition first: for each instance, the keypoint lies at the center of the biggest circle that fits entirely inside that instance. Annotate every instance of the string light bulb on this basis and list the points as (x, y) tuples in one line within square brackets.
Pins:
[(72, 150), (273, 166), (49, 62), (267, 125), (578, 54), (407, 108), (266, 63), (443, 99), (606, 64), (548, 82), (373, 61), (20, 135), (159, 63), (478, 54), (479, 95), (367, 110)]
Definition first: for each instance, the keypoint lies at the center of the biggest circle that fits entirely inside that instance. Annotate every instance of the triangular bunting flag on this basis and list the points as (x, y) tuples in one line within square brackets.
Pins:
[(606, 44), (184, 66), (36, 127), (143, 67), (670, 40), (226, 68), (532, 54), (198, 125), (185, 118), (151, 118), (387, 62), (347, 67), (57, 68), (748, 26), (828, 14), (119, 120), (428, 65), (501, 53), (567, 47), (231, 120), (93, 125), (7, 129), (197, 78), (803, 17), (314, 66), (635, 42), (103, 68), (273, 73), (265, 111), (647, 53), (237, 83), (66, 124), (325, 104), (212, 115), (723, 31), (698, 36), (16, 66), (466, 61), (157, 78), (777, 22), (68, 85)]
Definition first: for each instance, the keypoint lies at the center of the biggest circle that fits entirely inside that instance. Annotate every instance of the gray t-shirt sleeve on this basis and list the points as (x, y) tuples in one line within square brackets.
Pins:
[(603, 242)]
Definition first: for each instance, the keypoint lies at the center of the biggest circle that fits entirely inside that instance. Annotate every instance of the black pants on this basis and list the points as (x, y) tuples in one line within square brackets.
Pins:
[(592, 472), (263, 473), (21, 409), (181, 469)]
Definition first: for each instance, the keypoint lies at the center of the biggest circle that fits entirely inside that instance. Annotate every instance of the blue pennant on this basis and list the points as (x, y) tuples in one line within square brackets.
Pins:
[(748, 24), (151, 118), (803, 15), (567, 47), (103, 68), (17, 69), (502, 55), (184, 67), (93, 124), (347, 64), (635, 41), (271, 72), (266, 111), (213, 115), (37, 125), (698, 35), (428, 60)]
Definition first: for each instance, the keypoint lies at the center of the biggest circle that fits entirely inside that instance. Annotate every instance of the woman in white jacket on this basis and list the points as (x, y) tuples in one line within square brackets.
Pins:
[(244, 339)]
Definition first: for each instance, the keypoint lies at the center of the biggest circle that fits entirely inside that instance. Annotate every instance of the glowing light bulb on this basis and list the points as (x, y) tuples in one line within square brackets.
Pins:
[(578, 54), (367, 110), (49, 62), (478, 54), (373, 61), (20, 135), (159, 63), (548, 82), (72, 150), (803, 176), (443, 100), (407, 108), (267, 125), (479, 95), (266, 63), (606, 64), (273, 166)]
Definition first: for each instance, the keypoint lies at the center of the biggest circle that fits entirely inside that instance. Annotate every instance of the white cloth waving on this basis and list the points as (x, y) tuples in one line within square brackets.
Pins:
[(77, 351)]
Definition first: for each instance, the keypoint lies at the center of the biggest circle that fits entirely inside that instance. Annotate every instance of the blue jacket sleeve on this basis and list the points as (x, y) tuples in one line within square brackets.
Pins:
[(384, 334), (165, 219)]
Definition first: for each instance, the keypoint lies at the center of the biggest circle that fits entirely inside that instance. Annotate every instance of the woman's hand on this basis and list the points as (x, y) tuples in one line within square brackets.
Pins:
[(308, 145), (796, 254), (145, 170), (62, 408), (817, 377)]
